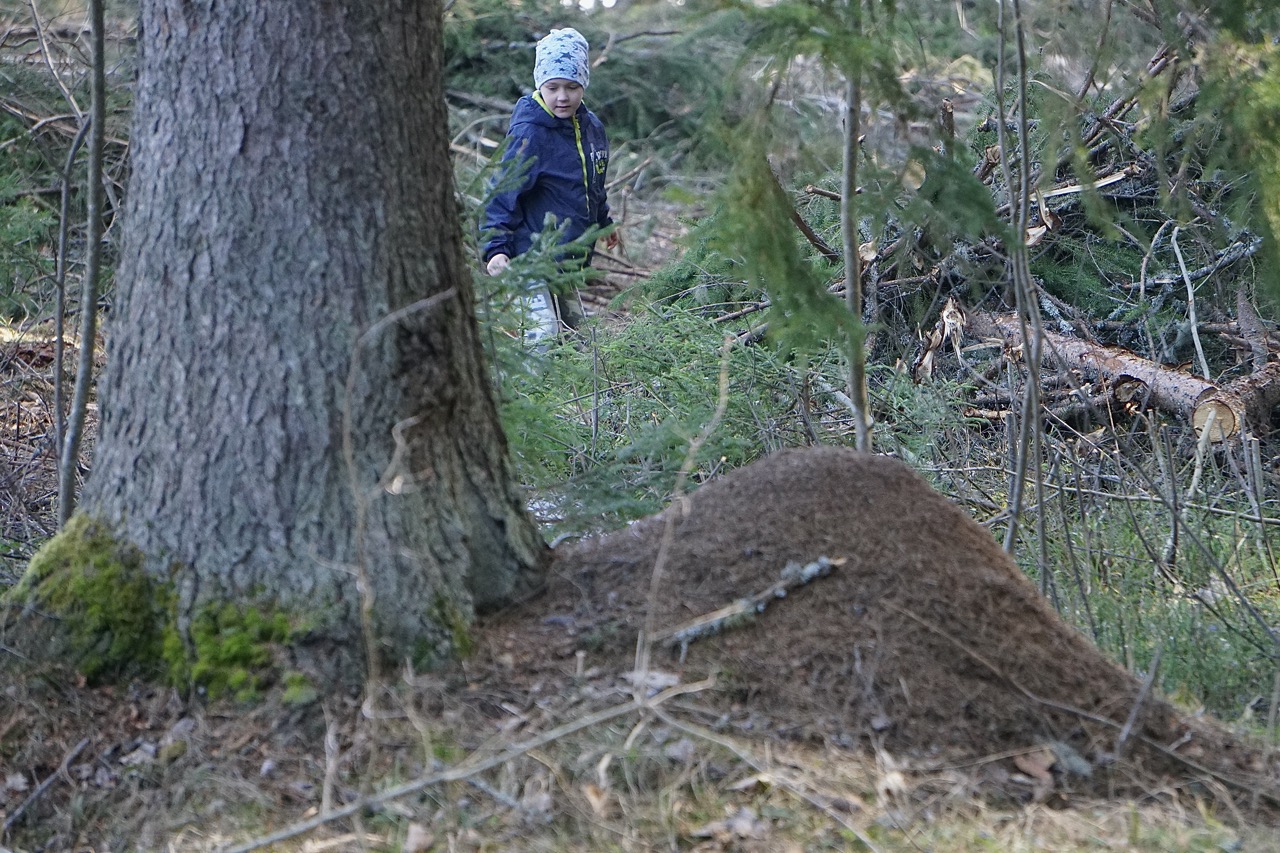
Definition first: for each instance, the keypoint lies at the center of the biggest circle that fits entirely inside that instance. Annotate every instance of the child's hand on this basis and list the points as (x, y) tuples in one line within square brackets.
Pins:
[(497, 264), (613, 240)]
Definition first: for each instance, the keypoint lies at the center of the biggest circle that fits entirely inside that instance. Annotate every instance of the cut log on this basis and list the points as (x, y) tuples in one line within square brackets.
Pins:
[(1225, 411), (1219, 411)]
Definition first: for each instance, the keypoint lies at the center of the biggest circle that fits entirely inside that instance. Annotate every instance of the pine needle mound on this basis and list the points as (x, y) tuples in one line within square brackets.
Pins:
[(925, 641)]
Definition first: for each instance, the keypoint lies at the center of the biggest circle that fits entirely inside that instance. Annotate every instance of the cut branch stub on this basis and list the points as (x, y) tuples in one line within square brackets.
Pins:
[(1127, 389)]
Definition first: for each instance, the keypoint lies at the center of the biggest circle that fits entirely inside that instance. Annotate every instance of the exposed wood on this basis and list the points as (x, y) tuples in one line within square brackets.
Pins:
[(1260, 393), (1226, 411), (1098, 183), (812, 189)]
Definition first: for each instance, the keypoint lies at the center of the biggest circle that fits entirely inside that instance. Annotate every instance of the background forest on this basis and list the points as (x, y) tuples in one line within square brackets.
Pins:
[(728, 151), (1096, 177)]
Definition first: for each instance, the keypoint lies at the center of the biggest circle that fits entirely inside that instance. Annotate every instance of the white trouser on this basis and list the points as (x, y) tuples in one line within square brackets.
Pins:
[(541, 320)]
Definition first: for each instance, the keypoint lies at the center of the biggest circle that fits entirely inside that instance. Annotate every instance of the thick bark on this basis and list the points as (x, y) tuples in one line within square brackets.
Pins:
[(291, 208), (1244, 404)]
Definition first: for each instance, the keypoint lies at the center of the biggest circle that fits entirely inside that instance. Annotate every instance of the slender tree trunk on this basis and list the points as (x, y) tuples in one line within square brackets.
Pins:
[(69, 451), (849, 238), (294, 408)]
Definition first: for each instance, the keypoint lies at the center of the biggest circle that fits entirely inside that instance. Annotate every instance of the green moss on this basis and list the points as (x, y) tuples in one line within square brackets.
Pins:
[(298, 689), (451, 618), (231, 650), (110, 611)]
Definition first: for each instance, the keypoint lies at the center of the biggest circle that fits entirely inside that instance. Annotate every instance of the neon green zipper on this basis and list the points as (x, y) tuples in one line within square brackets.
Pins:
[(582, 155)]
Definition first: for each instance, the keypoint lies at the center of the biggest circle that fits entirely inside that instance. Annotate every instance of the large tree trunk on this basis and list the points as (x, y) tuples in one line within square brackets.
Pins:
[(290, 210)]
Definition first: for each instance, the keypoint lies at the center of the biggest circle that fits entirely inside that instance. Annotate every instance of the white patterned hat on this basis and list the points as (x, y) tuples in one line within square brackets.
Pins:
[(562, 54)]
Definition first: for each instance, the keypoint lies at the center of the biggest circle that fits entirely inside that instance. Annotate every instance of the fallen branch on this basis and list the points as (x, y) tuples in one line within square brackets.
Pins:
[(1097, 184), (809, 234), (1237, 251), (1140, 381), (821, 193), (622, 179), (709, 624), (743, 312)]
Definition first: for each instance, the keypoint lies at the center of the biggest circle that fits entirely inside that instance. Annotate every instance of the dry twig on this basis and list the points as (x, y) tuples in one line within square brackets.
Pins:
[(469, 768), (12, 820)]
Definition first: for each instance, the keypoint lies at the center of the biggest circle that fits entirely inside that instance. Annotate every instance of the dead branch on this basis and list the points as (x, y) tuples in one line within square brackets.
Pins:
[(809, 234), (39, 792), (709, 624), (622, 179), (1251, 327), (1237, 251), (820, 192), (743, 312)]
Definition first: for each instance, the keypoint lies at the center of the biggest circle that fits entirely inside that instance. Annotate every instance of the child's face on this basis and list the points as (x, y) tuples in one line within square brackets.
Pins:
[(562, 96)]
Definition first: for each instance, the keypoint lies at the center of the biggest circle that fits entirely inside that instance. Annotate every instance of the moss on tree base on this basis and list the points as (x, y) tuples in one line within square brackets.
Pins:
[(94, 603), (90, 604)]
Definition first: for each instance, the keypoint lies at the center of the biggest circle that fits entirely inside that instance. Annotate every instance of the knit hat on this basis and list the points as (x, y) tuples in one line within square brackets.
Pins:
[(562, 54)]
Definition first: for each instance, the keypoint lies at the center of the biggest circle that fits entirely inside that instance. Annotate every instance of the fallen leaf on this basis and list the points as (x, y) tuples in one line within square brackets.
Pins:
[(652, 681), (182, 730), (418, 840), (1036, 764), (952, 321), (144, 754), (760, 781), (597, 798), (744, 823), (536, 796), (682, 751)]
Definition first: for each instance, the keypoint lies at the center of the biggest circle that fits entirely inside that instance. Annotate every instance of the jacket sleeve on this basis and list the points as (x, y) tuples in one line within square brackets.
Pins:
[(503, 212), (605, 218)]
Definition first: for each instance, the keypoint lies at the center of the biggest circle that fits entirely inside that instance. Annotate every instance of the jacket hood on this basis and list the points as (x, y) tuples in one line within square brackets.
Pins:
[(529, 111)]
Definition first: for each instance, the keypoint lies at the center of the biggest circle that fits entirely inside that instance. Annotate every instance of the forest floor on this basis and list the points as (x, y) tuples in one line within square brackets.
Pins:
[(892, 682)]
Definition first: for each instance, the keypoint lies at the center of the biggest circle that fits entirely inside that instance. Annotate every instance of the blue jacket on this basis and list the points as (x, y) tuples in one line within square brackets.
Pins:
[(568, 162)]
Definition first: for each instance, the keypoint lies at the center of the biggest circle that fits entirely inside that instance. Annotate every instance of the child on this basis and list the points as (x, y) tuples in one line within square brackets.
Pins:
[(564, 146)]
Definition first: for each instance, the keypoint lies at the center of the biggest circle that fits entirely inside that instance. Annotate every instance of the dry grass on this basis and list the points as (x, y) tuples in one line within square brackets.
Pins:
[(671, 777), (28, 473)]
